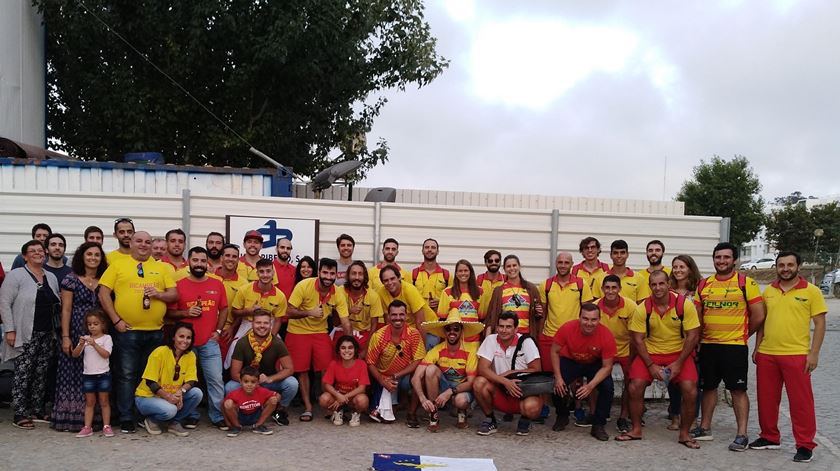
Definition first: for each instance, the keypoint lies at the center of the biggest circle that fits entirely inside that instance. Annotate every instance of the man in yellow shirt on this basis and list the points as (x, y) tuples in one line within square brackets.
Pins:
[(234, 276), (591, 270), (616, 312), (363, 304), (142, 288), (430, 278), (563, 294), (123, 230), (664, 329), (395, 288), (492, 278), (654, 251), (312, 303), (390, 250), (731, 311), (786, 354), (619, 252)]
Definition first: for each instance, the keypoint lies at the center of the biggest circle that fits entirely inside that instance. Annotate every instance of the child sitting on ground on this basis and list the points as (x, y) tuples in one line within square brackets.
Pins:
[(249, 405)]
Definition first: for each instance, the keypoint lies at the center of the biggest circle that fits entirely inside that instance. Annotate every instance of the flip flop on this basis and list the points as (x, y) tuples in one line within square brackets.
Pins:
[(626, 437), (690, 444), (306, 416), (24, 424)]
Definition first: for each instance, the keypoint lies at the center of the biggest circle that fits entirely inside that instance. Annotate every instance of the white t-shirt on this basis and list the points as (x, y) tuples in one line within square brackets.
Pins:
[(94, 363), (501, 358)]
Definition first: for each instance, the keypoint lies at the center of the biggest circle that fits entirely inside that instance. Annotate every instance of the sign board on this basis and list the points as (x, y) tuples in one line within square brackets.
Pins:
[(303, 233)]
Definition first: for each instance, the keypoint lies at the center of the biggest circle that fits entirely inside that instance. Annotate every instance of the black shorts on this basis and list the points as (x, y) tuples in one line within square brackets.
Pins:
[(729, 363)]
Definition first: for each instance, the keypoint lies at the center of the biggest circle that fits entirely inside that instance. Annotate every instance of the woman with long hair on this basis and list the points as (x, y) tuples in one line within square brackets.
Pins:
[(78, 298), (464, 296), (516, 295), (684, 278), (305, 269)]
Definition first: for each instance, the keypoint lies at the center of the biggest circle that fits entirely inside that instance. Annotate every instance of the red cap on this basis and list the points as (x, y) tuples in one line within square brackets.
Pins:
[(253, 235)]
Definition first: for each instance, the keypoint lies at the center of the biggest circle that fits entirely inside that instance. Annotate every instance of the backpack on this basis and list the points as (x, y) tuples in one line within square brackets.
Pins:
[(742, 283), (680, 308), (578, 281), (416, 272)]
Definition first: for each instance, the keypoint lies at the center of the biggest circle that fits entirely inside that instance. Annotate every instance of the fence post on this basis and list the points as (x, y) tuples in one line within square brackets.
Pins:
[(555, 229), (377, 230), (725, 224), (185, 213)]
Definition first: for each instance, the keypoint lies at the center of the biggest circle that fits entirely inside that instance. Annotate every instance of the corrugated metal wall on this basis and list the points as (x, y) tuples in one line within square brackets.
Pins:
[(461, 231), (501, 200)]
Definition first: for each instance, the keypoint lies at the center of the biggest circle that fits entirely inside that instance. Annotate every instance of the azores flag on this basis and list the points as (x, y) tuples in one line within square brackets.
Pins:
[(398, 462)]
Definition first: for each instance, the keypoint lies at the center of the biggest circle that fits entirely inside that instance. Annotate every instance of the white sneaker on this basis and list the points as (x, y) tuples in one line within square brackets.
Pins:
[(387, 415), (338, 418), (355, 419), (152, 427)]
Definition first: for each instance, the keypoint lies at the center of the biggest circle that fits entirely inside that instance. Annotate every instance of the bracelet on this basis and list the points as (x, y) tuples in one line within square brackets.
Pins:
[(118, 322), (65, 336)]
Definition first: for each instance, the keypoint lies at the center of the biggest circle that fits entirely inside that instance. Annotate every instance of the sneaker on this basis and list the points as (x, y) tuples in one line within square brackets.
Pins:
[(338, 418), (221, 425), (107, 431), (152, 427), (411, 421), (175, 428), (764, 444), (280, 417), (580, 414), (127, 426), (701, 434), (234, 431), (599, 433), (803, 455), (374, 416), (462, 420), (189, 423), (622, 425), (85, 432), (560, 422), (523, 427), (262, 430), (487, 427), (586, 421), (741, 443), (355, 419), (434, 422)]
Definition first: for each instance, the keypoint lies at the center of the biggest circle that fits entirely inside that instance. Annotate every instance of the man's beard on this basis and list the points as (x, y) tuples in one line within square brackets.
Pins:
[(198, 272), (214, 253), (283, 256)]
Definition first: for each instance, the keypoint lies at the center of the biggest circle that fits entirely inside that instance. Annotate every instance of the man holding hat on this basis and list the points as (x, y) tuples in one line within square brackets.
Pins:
[(448, 370)]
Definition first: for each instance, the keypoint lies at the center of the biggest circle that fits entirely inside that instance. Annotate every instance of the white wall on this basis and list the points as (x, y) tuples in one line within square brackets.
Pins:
[(462, 232), (22, 68)]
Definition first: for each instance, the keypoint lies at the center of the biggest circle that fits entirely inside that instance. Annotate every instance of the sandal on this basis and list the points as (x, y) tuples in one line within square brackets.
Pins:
[(23, 423), (626, 437), (690, 443), (306, 416), (41, 418)]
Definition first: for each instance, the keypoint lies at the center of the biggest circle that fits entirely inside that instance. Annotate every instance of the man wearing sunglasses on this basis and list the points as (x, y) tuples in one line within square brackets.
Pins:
[(123, 231), (394, 352), (142, 288), (492, 278)]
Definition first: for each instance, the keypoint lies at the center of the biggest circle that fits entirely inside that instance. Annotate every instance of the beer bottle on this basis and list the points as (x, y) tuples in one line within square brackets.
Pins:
[(147, 301)]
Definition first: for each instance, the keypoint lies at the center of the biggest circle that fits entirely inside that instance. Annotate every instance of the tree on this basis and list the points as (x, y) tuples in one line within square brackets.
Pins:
[(792, 228), (298, 80), (792, 198), (727, 189)]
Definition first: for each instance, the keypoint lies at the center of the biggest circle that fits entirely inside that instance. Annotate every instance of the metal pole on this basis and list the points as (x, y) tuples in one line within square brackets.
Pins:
[(185, 213), (555, 229), (725, 226), (377, 230)]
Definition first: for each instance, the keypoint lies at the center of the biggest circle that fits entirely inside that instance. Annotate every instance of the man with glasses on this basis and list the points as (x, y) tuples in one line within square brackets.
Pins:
[(123, 231), (142, 287), (591, 270), (394, 352), (492, 278)]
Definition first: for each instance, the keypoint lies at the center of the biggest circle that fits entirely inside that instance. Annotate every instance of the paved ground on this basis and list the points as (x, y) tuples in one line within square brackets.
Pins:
[(340, 448)]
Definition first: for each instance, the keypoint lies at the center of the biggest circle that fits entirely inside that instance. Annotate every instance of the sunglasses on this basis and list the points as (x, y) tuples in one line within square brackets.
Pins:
[(399, 350), (140, 272), (493, 260), (177, 372), (119, 220), (452, 328)]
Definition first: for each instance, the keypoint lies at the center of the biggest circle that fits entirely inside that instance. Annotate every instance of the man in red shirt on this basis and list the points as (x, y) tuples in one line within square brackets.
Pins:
[(584, 348), (202, 302), (284, 269)]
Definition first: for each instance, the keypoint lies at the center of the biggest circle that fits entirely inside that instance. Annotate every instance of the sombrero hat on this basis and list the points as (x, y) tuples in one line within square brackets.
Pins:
[(469, 328)]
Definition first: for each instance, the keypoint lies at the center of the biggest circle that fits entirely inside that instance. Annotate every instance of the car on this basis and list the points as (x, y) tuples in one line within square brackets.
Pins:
[(759, 264), (831, 283)]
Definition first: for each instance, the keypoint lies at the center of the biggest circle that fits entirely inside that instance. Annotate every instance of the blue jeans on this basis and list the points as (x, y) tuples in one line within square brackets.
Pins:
[(287, 389), (431, 341), (572, 370), (132, 350), (403, 385), (160, 410), (209, 358)]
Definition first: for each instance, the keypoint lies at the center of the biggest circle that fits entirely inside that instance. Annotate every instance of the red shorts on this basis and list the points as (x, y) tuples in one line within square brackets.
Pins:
[(309, 350), (624, 362), (502, 402), (544, 345), (638, 370)]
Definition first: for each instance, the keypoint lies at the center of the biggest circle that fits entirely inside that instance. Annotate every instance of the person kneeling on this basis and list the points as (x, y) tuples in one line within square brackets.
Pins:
[(167, 392), (249, 405), (344, 383)]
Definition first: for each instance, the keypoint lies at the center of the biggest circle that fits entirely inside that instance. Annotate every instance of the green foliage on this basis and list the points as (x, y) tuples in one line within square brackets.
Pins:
[(792, 228), (727, 189), (792, 198), (297, 80)]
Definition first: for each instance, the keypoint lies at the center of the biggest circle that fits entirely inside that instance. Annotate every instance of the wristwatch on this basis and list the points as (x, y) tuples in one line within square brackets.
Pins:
[(454, 390), (219, 331)]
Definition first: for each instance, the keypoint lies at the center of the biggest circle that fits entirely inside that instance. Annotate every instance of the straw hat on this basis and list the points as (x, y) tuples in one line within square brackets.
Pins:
[(454, 317)]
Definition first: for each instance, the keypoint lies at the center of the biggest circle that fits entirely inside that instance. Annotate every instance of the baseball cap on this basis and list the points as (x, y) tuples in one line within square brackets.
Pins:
[(252, 235)]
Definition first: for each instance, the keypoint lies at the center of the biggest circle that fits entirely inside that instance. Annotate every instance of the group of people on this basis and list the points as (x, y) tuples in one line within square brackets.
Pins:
[(371, 336)]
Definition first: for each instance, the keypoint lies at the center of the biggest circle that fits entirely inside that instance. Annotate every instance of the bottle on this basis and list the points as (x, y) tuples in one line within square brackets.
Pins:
[(666, 376), (147, 301), (198, 303)]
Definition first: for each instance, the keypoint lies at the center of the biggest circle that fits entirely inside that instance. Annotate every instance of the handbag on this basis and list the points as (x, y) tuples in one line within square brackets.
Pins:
[(531, 384)]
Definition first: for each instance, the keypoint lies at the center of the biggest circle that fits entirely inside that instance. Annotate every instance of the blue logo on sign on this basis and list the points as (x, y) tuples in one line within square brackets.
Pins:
[(271, 233)]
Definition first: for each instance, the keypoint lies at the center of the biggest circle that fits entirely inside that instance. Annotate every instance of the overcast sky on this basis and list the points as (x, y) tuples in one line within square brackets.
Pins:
[(590, 98)]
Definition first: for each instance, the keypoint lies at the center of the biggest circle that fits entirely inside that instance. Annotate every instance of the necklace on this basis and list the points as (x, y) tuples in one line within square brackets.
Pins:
[(88, 281)]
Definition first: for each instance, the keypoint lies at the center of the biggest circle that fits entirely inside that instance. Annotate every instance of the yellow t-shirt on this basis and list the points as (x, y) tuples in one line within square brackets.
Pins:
[(455, 367), (726, 316), (373, 275), (432, 285), (563, 302), (115, 255), (487, 287), (371, 307), (665, 335), (273, 301), (629, 284), (787, 328), (305, 297), (594, 278), (123, 277), (617, 321), (643, 278), (411, 297), (160, 368)]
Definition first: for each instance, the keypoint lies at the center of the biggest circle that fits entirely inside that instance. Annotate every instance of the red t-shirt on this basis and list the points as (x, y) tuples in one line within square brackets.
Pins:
[(213, 299), (250, 404), (285, 277), (346, 379), (585, 348)]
